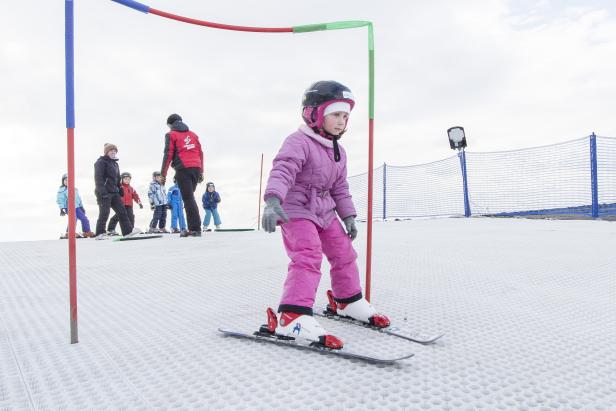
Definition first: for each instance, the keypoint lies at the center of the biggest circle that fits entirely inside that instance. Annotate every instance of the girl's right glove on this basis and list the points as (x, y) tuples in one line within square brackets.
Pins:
[(272, 213)]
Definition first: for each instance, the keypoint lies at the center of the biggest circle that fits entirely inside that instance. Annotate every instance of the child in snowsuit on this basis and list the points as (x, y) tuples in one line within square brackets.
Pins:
[(307, 186), (210, 199), (129, 196), (62, 200), (158, 204), (174, 200)]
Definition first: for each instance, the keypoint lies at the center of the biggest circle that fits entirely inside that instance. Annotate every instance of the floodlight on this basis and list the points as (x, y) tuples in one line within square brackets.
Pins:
[(457, 138)]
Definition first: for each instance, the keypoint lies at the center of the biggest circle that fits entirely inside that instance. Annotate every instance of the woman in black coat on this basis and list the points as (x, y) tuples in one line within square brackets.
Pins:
[(109, 191)]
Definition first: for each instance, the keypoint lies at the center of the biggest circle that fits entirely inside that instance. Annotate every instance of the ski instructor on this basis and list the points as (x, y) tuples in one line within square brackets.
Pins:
[(183, 152)]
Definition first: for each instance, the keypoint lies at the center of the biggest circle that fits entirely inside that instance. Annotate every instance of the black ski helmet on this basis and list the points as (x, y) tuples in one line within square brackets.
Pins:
[(316, 99), (318, 96), (126, 174)]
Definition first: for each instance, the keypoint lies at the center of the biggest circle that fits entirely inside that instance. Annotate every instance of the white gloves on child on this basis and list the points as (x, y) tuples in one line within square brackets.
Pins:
[(351, 228), (272, 213)]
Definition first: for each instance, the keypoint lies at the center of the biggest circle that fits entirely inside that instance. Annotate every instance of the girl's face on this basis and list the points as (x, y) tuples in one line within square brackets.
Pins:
[(210, 188), (335, 123), (158, 178), (65, 181), (126, 180)]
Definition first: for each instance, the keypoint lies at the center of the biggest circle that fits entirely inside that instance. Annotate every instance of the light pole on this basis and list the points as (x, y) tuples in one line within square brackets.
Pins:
[(457, 141)]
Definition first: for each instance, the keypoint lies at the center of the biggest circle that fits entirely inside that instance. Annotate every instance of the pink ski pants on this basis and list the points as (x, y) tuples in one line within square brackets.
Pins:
[(305, 244)]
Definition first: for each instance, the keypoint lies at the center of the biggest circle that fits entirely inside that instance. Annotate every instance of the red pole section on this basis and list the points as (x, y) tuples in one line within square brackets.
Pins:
[(260, 189), (221, 26), (72, 253), (370, 184)]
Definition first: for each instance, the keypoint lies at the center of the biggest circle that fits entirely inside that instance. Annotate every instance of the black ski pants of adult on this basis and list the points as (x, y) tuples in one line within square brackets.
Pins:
[(115, 219), (187, 180), (115, 202)]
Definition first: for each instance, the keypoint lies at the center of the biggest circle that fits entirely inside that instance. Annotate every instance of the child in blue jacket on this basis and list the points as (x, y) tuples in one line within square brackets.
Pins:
[(210, 199), (158, 204), (174, 200), (62, 200)]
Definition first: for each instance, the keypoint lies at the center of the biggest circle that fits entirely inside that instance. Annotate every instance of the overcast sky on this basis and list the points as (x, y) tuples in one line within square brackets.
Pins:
[(513, 73)]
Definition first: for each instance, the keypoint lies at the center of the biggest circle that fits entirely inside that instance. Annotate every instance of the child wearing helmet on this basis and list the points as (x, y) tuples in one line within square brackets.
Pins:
[(129, 196), (158, 204), (62, 201), (210, 200), (307, 187)]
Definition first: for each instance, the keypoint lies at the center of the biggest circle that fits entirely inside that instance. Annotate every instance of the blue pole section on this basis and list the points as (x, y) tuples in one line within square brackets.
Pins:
[(594, 183), (68, 54), (467, 205), (134, 5), (384, 191)]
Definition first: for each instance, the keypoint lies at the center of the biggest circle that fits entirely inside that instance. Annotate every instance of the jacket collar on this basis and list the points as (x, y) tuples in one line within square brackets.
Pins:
[(319, 139)]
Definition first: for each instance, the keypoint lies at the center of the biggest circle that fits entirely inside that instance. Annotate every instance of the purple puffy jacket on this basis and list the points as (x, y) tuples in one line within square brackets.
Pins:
[(307, 180)]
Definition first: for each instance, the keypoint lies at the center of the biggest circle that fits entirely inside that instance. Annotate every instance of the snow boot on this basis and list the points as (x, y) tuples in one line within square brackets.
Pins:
[(175, 231), (133, 233), (360, 310), (112, 233), (293, 325), (188, 233), (89, 234)]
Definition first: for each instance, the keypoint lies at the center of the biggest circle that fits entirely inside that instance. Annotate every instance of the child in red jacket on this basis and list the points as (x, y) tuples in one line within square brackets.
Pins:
[(128, 197)]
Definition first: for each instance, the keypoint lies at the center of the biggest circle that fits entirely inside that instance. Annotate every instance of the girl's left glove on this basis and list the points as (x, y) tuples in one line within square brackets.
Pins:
[(351, 228)]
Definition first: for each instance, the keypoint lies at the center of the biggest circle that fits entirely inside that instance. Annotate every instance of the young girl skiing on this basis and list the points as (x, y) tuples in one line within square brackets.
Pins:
[(62, 200), (307, 186)]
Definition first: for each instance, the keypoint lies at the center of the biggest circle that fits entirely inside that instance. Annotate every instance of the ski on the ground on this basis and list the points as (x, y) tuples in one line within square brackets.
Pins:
[(306, 345), (411, 335), (138, 237)]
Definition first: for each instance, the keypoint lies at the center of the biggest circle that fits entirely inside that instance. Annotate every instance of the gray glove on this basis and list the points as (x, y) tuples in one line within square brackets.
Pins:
[(351, 228), (272, 213)]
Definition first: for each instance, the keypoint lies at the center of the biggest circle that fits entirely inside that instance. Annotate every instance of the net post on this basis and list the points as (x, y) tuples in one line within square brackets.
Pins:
[(594, 183), (467, 205)]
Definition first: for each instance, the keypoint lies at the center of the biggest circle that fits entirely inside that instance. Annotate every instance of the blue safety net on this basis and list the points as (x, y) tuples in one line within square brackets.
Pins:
[(572, 179)]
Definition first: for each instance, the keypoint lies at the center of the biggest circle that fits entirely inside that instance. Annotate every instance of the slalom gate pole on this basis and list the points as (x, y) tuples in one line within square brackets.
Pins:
[(260, 189), (70, 154), (339, 25)]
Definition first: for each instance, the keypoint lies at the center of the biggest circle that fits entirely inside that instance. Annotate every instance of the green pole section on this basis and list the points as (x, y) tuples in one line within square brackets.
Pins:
[(337, 25)]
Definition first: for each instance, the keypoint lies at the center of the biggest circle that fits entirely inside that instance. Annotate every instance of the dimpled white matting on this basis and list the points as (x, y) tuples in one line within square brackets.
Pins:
[(528, 308)]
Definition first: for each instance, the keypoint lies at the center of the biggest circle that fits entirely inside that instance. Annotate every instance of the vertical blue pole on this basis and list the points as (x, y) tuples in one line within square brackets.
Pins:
[(594, 184), (384, 191), (69, 63), (467, 205)]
